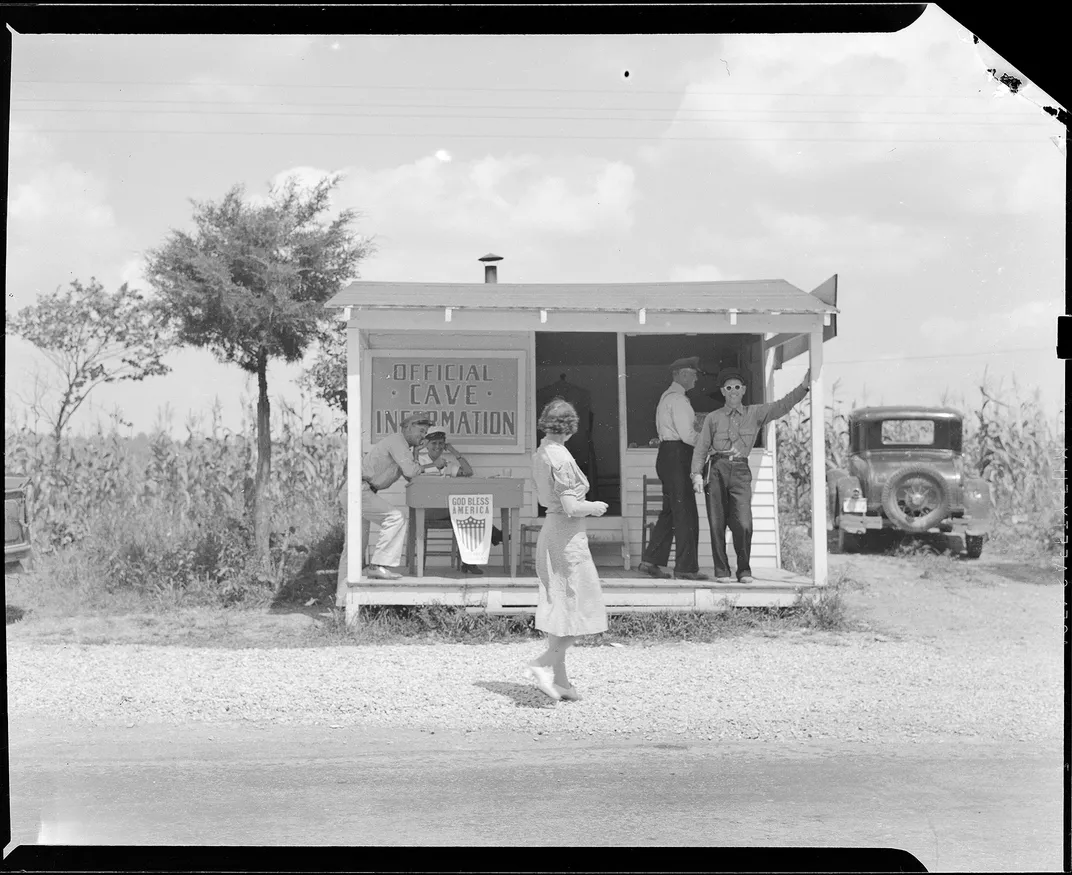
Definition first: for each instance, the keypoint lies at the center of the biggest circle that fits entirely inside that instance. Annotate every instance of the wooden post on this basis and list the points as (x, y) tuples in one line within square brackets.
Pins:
[(771, 438), (354, 528), (818, 457), (623, 446)]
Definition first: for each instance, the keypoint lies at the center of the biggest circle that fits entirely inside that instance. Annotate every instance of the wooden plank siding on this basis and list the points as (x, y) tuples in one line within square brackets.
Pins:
[(639, 462)]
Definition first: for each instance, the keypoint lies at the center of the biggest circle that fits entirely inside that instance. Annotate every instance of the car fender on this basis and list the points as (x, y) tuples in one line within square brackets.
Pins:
[(841, 488), (978, 506)]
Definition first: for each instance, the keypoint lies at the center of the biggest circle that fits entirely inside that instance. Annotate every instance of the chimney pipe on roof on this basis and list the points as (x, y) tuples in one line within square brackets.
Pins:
[(491, 274)]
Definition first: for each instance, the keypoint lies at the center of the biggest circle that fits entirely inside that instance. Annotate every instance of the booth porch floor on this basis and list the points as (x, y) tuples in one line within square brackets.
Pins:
[(623, 590)]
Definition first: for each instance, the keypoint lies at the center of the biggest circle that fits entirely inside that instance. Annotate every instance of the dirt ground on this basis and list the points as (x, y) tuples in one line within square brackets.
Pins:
[(929, 596), (925, 596)]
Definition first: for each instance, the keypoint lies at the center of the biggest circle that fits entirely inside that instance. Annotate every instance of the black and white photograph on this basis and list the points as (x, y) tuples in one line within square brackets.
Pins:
[(635, 441)]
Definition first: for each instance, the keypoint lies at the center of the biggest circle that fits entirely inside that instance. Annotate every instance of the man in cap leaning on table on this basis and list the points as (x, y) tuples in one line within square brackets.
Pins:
[(720, 467), (678, 520), (390, 458)]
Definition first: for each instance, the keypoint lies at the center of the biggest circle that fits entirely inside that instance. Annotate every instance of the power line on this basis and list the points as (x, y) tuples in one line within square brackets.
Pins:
[(500, 89), (519, 136), (1032, 123), (947, 355), (134, 100)]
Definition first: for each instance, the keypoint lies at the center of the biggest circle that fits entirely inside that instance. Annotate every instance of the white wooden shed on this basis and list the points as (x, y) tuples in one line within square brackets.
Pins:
[(480, 358)]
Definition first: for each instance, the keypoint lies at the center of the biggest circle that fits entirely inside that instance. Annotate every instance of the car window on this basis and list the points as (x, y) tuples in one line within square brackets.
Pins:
[(914, 432)]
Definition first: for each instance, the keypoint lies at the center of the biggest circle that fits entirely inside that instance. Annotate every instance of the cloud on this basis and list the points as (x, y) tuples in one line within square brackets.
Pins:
[(788, 101), (786, 243), (443, 155), (1031, 324), (61, 225), (688, 273), (496, 198)]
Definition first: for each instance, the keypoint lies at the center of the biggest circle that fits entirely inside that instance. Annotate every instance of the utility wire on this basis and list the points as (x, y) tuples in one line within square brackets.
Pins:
[(947, 355), (273, 113), (506, 90), (379, 105), (518, 136)]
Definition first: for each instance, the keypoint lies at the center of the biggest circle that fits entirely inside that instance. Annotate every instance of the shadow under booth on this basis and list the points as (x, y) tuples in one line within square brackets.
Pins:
[(481, 360)]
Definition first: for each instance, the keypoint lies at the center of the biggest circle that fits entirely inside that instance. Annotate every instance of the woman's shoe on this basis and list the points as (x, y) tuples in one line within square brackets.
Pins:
[(380, 572), (544, 680), (568, 693), (471, 569)]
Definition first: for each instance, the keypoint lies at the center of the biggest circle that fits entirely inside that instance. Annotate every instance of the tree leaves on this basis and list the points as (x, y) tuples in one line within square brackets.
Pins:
[(250, 283), (93, 337)]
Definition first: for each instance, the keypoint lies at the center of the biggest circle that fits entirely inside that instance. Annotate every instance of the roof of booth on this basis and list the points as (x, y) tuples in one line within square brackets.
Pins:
[(747, 296)]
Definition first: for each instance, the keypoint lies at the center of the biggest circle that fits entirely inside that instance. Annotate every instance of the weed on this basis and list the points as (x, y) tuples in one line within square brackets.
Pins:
[(439, 623), (825, 609)]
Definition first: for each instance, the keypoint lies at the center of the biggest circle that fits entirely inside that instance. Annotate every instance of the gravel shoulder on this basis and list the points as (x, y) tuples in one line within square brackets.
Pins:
[(940, 650)]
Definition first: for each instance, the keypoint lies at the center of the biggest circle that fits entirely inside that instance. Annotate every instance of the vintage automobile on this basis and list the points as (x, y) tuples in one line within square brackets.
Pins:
[(18, 554), (905, 473)]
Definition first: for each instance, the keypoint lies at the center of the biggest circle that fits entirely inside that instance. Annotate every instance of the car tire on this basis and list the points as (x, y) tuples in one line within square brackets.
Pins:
[(933, 502), (974, 546)]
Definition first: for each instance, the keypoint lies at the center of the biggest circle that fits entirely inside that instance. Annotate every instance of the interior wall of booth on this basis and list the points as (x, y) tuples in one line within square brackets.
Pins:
[(647, 367), (582, 367)]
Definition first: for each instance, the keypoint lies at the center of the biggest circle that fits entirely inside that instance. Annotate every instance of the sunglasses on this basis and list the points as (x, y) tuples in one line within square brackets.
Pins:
[(733, 388)]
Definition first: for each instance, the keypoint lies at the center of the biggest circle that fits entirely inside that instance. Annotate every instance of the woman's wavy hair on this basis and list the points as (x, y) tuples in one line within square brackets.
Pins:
[(558, 417)]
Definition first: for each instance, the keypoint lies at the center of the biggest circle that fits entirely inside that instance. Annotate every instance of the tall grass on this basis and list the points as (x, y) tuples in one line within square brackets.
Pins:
[(1009, 441), (160, 516)]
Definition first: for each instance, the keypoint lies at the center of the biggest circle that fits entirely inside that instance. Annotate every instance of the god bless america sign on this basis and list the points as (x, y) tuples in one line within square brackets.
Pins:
[(475, 398)]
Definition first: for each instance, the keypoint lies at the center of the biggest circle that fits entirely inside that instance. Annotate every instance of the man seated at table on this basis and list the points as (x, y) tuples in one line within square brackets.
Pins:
[(448, 462), (435, 450)]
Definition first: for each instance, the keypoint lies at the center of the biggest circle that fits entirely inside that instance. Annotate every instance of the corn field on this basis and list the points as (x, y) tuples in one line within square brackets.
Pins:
[(1009, 442), (161, 512)]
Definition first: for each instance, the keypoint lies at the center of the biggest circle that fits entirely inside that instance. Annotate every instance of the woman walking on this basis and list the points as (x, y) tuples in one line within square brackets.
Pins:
[(570, 601)]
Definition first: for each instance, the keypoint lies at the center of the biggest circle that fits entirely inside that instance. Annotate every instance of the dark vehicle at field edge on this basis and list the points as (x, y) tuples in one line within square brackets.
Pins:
[(905, 473), (18, 554)]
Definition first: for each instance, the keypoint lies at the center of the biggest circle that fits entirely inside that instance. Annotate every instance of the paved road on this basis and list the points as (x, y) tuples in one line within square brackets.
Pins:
[(955, 805)]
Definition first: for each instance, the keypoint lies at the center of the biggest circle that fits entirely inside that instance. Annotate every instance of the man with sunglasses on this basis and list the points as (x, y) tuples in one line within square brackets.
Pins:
[(720, 467)]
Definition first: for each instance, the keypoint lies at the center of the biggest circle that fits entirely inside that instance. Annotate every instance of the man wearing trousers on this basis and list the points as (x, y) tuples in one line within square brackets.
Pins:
[(678, 520), (720, 468), (390, 458)]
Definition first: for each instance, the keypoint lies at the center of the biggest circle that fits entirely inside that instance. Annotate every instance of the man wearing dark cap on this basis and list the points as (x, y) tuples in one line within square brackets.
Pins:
[(678, 520), (390, 458), (720, 467)]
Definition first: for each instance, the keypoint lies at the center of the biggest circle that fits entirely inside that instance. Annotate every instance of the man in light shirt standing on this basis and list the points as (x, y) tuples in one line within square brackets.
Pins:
[(678, 520), (390, 458)]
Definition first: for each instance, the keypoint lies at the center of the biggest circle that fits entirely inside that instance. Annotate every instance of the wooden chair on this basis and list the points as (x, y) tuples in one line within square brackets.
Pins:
[(651, 508), (439, 541), (527, 557)]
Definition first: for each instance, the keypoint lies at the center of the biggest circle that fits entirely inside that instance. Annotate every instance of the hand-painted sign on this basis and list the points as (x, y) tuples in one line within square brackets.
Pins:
[(475, 398), (470, 516)]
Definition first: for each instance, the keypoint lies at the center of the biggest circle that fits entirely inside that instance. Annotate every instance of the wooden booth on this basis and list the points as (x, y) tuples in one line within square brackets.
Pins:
[(482, 358)]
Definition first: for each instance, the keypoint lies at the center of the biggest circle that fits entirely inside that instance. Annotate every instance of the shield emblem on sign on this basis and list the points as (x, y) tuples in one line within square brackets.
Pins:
[(470, 517)]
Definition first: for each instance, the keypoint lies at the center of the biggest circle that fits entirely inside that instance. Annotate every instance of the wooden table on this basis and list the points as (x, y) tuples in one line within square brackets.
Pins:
[(507, 493)]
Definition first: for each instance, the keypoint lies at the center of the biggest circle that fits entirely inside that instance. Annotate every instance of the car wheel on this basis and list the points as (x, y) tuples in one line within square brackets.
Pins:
[(974, 546), (916, 498)]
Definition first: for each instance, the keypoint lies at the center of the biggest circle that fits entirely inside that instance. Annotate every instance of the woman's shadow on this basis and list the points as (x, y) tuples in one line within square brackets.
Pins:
[(524, 695)]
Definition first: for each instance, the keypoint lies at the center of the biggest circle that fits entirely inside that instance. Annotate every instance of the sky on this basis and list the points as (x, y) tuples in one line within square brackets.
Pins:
[(892, 160)]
